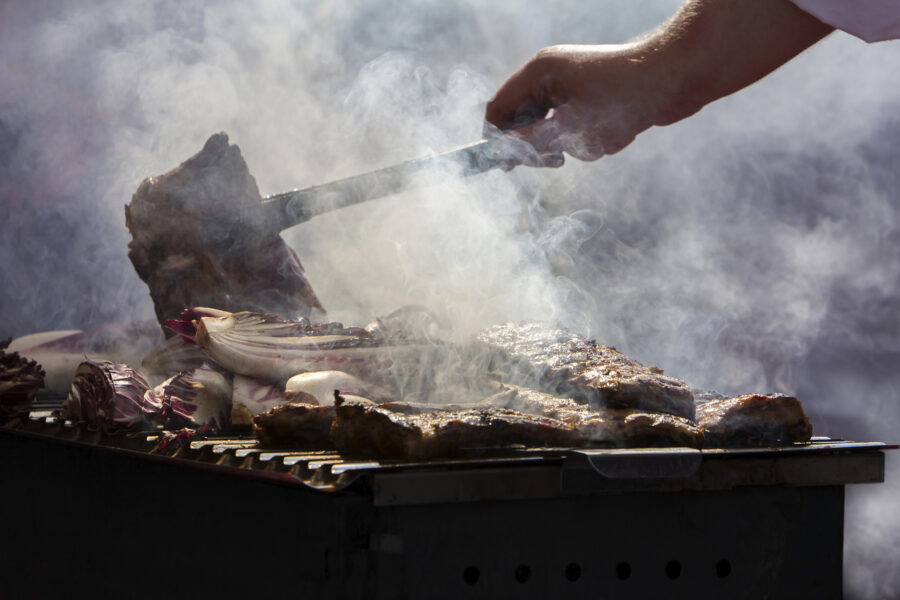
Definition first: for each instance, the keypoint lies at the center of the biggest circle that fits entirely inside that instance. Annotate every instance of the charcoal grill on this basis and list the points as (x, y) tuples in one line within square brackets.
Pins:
[(104, 514)]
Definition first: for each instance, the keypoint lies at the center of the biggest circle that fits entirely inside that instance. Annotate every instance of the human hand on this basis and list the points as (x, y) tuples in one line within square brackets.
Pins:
[(587, 101)]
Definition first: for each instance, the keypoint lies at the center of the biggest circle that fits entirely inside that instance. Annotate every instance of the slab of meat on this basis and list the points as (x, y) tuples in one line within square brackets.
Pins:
[(626, 428), (534, 402), (603, 427), (753, 420), (380, 431), (557, 361), (191, 248), (304, 424)]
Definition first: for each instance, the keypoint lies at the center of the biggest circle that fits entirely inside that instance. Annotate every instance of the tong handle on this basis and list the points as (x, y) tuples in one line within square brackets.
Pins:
[(282, 211)]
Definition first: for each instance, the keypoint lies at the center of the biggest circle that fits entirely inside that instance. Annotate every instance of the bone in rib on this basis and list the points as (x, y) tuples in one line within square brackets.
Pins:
[(556, 360)]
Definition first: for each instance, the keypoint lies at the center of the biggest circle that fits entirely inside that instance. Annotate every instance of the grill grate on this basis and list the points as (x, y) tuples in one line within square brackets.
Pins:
[(491, 472), (510, 522)]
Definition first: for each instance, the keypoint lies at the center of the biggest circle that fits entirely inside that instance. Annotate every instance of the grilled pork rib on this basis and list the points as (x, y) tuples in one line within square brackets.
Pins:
[(753, 420), (568, 365)]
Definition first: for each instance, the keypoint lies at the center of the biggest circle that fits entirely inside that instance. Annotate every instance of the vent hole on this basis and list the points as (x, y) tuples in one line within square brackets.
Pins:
[(523, 573), (723, 568), (623, 570), (471, 575), (673, 569), (573, 572)]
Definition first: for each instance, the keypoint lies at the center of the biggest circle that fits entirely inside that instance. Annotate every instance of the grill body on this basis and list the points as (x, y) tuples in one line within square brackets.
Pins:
[(85, 518)]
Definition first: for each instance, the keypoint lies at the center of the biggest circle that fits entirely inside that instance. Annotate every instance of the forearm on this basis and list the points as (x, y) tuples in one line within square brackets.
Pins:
[(590, 101), (713, 48)]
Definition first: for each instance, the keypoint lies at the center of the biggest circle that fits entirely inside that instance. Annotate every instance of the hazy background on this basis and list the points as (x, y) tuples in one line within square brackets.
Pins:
[(753, 247)]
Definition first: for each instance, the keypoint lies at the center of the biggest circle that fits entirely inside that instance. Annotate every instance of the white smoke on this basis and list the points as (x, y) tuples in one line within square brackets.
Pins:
[(753, 247)]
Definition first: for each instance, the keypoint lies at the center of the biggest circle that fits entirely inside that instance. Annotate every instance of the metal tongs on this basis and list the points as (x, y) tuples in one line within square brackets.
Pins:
[(282, 211)]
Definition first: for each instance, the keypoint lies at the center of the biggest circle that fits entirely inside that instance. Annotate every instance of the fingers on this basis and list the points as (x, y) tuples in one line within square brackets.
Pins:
[(525, 97), (542, 143), (511, 150), (546, 108)]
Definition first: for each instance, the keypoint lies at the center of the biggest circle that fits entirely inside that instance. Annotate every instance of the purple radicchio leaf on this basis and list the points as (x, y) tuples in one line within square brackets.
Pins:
[(106, 395), (192, 399), (20, 379)]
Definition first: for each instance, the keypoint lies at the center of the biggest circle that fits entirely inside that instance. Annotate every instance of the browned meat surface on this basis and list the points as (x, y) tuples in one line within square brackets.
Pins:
[(364, 430), (606, 427), (367, 430), (295, 425), (753, 420), (421, 408), (534, 402), (635, 429), (191, 248), (566, 364)]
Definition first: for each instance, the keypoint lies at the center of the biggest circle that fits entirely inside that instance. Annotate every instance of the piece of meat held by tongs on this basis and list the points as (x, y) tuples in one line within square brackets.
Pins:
[(203, 235), (191, 248)]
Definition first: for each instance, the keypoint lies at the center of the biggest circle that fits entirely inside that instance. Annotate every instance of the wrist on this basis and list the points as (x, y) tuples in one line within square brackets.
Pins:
[(675, 88)]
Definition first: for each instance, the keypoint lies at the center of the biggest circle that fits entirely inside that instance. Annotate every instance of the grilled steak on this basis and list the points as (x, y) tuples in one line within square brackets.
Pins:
[(393, 432), (295, 425), (606, 427), (192, 249), (566, 364), (753, 420), (534, 402), (634, 429)]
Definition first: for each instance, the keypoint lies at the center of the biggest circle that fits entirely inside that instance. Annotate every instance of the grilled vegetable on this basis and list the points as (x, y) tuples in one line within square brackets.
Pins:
[(323, 384), (268, 347), (190, 399), (60, 352), (251, 397), (106, 395), (20, 379), (172, 356)]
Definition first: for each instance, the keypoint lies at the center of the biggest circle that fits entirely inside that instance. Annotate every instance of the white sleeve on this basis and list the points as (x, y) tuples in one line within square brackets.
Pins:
[(871, 20)]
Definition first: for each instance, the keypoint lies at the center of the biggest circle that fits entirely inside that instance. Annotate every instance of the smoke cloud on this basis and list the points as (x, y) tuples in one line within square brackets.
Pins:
[(753, 247)]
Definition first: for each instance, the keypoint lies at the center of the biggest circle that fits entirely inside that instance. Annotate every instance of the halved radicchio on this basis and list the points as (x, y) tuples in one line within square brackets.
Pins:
[(106, 395), (20, 379), (192, 399)]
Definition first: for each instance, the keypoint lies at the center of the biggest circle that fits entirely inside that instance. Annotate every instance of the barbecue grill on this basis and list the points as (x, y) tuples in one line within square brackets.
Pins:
[(116, 516)]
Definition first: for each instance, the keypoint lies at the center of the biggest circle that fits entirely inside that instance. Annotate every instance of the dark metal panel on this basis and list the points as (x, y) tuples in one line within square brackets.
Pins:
[(82, 521), (465, 485), (752, 543), (585, 472)]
